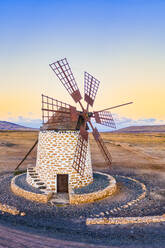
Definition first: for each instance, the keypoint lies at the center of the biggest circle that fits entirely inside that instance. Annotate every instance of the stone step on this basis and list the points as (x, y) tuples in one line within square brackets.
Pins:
[(40, 183), (52, 202), (42, 187), (60, 198)]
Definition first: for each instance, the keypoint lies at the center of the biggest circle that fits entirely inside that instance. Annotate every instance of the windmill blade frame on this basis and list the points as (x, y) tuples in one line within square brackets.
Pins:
[(103, 148), (79, 162), (83, 132), (104, 118), (91, 85), (51, 107), (63, 71)]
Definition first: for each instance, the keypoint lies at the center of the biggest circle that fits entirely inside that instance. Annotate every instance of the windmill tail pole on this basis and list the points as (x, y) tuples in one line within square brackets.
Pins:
[(27, 154), (114, 107)]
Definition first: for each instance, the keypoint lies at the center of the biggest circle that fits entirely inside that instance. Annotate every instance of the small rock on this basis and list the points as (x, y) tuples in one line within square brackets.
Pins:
[(22, 214)]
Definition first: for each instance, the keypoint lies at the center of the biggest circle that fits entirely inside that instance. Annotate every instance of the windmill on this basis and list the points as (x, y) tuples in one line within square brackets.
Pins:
[(103, 117), (61, 120)]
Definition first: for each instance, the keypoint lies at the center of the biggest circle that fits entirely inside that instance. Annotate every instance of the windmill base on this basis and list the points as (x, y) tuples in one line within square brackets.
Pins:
[(55, 156), (45, 196)]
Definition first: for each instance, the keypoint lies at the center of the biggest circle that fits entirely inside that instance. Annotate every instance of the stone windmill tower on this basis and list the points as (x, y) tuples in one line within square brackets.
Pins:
[(63, 153)]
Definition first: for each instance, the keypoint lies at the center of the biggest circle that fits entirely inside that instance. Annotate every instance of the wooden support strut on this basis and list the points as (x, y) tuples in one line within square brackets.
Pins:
[(27, 154)]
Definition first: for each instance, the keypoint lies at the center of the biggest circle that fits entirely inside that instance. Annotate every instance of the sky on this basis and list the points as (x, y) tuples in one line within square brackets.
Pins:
[(120, 42)]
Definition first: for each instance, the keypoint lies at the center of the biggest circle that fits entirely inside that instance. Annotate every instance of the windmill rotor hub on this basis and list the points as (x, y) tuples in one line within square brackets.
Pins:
[(86, 115), (90, 114)]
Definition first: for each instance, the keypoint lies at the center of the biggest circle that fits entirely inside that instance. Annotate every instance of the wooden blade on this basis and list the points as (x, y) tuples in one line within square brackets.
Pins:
[(104, 118), (73, 113), (103, 147), (91, 85), (64, 73), (27, 154), (79, 162), (84, 133), (54, 111)]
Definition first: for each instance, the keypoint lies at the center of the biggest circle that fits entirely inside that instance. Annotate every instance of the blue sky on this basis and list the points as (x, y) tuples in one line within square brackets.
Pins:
[(122, 43)]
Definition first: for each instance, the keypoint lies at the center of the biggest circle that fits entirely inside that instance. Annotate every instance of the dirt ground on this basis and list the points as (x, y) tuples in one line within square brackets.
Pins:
[(133, 150), (129, 150), (13, 147)]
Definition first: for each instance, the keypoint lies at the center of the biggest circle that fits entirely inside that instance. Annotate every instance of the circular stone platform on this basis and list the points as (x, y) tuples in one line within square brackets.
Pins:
[(103, 185)]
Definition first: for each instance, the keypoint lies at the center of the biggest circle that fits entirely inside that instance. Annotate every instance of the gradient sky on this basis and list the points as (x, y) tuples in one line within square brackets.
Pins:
[(120, 42)]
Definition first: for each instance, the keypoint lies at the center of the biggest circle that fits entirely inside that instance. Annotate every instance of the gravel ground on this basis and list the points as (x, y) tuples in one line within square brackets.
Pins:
[(99, 183), (49, 220)]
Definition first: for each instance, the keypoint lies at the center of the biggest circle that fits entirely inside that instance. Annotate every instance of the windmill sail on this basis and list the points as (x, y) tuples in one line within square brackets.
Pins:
[(80, 154), (103, 147), (64, 73), (57, 114), (104, 118), (91, 85)]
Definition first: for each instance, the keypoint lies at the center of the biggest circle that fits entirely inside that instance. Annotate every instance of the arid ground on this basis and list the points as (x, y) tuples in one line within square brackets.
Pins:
[(129, 150), (136, 153), (133, 150)]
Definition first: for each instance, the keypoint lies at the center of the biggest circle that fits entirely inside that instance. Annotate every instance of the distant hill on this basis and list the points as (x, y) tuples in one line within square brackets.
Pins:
[(141, 129), (5, 125)]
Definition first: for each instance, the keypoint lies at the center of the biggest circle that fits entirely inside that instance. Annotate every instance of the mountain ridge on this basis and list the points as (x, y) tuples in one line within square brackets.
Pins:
[(143, 128), (5, 125)]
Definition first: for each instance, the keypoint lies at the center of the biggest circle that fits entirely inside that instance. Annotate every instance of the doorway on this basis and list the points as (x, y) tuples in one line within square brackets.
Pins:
[(62, 183)]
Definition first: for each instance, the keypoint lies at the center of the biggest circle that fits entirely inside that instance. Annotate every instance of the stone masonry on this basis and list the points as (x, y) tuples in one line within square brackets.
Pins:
[(55, 155)]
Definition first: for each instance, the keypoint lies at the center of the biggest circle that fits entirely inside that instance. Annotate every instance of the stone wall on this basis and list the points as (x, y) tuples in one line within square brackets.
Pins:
[(9, 209), (27, 194), (125, 220), (91, 197), (55, 155)]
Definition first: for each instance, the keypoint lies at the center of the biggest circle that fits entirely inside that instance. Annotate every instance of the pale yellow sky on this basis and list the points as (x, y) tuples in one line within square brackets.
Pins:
[(148, 98)]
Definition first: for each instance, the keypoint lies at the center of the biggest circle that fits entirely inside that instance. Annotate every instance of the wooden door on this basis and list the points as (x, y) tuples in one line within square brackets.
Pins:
[(62, 183)]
